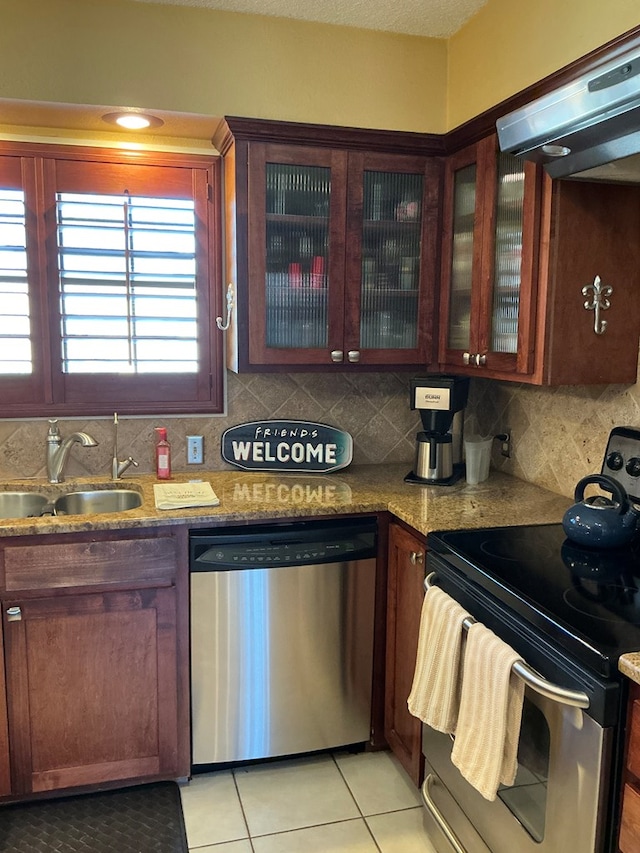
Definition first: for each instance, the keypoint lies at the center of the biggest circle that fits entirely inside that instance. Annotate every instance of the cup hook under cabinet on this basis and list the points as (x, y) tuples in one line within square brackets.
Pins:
[(223, 326)]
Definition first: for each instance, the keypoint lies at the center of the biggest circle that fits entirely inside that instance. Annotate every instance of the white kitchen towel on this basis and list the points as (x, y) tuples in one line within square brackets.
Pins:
[(184, 495), (485, 750), (435, 689)]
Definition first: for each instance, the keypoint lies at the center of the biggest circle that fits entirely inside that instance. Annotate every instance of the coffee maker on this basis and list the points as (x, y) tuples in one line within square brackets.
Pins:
[(440, 399)]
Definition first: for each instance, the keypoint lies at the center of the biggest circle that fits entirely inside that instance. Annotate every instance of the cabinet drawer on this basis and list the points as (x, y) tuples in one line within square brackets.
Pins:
[(89, 563)]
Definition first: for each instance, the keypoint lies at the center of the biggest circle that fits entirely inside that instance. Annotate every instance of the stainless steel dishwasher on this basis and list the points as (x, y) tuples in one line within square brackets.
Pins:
[(281, 638)]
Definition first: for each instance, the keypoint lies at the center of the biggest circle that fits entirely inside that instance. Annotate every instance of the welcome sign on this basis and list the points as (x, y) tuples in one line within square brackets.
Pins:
[(287, 446)]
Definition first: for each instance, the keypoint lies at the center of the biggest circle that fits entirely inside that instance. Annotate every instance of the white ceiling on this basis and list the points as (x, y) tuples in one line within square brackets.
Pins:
[(435, 18)]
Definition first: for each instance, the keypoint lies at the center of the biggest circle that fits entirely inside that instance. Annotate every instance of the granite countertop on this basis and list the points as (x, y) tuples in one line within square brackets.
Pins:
[(500, 500), (244, 496)]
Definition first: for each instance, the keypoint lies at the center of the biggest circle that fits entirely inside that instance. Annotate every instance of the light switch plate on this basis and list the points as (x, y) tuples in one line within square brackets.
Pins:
[(195, 453)]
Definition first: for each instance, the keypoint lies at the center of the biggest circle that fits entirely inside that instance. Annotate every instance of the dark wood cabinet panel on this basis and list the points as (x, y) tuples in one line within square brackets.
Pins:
[(405, 594), (5, 766), (92, 688), (88, 563), (629, 824), (588, 229)]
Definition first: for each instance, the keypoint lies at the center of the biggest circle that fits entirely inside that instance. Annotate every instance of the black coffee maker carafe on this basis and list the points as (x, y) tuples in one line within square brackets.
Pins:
[(440, 399)]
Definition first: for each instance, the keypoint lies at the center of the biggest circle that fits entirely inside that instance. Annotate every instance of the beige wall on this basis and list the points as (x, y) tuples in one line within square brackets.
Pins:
[(120, 53), (509, 45)]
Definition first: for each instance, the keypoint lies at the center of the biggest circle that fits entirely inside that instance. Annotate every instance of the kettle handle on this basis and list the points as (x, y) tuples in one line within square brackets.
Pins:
[(608, 484)]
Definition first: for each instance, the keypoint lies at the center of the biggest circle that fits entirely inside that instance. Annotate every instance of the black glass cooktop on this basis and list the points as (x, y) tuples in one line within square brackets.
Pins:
[(588, 597)]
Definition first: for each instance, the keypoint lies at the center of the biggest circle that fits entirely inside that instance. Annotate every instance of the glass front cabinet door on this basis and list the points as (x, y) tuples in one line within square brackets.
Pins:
[(491, 226), (342, 248)]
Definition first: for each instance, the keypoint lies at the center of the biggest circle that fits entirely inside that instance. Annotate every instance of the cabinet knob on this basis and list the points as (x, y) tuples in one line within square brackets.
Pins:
[(474, 358), (353, 355), (14, 614), (416, 558), (337, 355)]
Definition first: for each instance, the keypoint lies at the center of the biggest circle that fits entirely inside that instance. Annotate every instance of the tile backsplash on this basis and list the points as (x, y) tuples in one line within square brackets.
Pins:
[(373, 407), (558, 434)]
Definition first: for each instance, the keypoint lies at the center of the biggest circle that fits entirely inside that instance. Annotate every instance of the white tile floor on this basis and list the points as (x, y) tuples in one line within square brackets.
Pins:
[(338, 803)]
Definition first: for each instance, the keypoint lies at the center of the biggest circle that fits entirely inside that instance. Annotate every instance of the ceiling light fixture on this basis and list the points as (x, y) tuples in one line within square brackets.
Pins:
[(133, 121)]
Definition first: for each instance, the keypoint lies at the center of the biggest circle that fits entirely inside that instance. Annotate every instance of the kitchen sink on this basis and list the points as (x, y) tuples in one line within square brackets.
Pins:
[(21, 504), (95, 502)]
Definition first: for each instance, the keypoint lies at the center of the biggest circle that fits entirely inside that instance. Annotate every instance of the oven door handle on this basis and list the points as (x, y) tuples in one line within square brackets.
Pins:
[(533, 679), (432, 808)]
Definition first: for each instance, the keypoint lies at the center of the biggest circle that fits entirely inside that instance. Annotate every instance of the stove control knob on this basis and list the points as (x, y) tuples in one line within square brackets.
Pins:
[(615, 460), (633, 467)]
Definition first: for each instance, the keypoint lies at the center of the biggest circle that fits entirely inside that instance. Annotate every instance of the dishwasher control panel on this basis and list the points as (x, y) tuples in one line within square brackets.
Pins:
[(294, 544)]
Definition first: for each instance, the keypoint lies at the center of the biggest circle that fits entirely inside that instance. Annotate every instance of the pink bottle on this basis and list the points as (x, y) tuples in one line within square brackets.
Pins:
[(163, 455)]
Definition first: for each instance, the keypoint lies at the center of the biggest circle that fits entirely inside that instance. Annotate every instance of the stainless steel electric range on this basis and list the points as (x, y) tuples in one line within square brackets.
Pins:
[(570, 612)]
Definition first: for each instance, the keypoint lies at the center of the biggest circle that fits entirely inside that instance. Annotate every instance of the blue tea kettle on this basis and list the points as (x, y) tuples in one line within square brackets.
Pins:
[(601, 522)]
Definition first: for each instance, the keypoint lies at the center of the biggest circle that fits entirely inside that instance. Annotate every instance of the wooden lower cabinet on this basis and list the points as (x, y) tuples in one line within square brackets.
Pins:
[(95, 630), (5, 766), (629, 831), (405, 593)]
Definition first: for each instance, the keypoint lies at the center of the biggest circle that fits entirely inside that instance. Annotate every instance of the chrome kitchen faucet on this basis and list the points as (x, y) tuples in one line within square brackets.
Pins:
[(58, 450), (118, 468)]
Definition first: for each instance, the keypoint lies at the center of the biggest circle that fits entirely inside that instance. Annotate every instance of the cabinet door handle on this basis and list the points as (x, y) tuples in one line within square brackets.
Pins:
[(353, 355), (14, 614), (337, 355), (475, 359), (416, 558)]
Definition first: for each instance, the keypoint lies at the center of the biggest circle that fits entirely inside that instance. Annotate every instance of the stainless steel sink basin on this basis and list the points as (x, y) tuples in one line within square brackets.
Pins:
[(95, 502), (21, 504)]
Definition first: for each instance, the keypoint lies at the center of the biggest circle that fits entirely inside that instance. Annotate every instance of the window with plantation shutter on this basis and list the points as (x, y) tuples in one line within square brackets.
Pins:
[(15, 328), (109, 276), (128, 298)]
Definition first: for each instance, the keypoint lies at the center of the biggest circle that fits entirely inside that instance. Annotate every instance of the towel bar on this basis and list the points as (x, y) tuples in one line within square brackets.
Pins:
[(533, 679)]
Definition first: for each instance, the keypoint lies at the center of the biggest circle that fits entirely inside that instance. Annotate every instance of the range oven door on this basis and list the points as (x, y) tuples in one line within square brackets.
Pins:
[(555, 803), (564, 795)]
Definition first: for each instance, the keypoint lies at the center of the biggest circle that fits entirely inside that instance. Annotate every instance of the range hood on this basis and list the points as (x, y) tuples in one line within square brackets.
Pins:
[(588, 128)]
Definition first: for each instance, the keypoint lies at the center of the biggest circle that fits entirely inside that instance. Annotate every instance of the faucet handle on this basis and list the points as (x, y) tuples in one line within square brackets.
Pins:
[(53, 426)]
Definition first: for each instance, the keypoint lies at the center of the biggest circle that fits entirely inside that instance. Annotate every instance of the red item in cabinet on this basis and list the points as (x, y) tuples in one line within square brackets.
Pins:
[(295, 275), (317, 271)]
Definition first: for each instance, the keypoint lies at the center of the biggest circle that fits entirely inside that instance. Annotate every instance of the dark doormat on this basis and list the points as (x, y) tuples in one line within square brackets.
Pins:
[(143, 819)]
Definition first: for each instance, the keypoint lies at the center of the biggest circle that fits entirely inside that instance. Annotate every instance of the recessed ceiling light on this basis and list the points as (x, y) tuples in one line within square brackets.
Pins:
[(133, 121)]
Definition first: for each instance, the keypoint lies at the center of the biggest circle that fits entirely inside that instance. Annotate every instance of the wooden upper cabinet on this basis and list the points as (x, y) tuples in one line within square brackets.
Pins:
[(488, 286), (331, 253), (590, 233), (518, 250)]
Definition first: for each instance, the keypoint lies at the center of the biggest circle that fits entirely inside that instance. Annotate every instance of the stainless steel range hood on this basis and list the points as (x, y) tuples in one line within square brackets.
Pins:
[(588, 128)]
